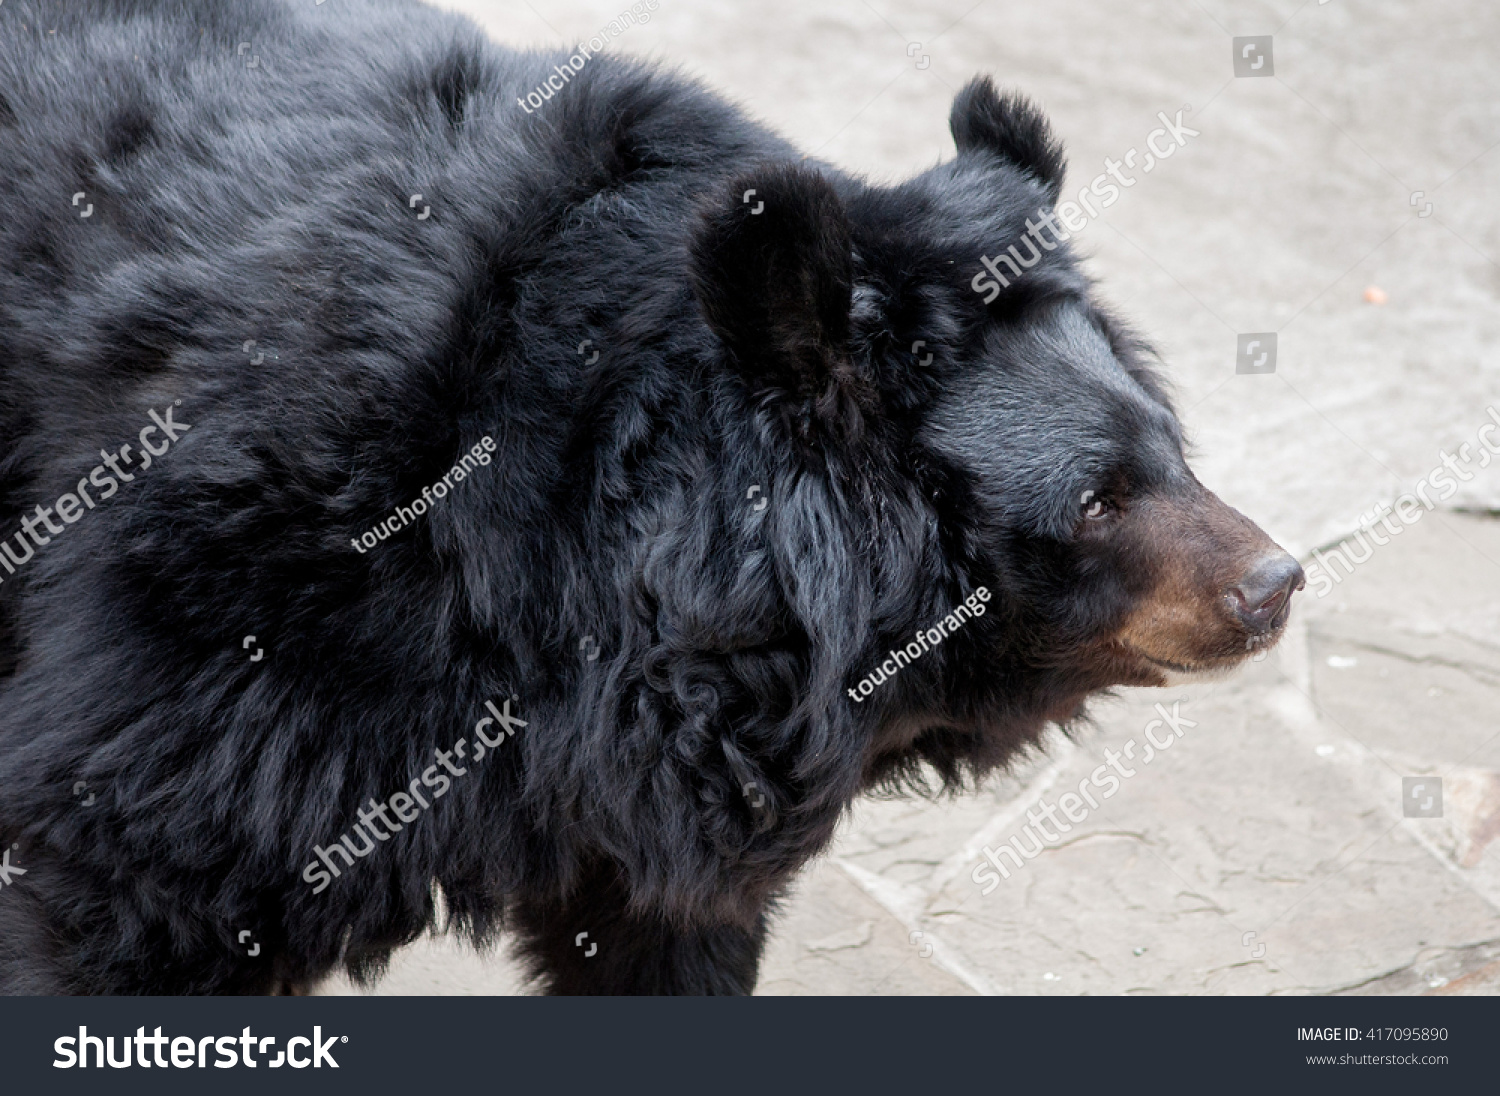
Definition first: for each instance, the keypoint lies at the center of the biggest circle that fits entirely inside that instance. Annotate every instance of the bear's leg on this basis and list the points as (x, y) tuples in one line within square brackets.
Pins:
[(588, 944), (33, 962), (126, 950)]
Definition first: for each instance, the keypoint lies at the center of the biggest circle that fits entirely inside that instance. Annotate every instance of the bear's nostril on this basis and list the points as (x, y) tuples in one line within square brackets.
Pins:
[(1263, 593)]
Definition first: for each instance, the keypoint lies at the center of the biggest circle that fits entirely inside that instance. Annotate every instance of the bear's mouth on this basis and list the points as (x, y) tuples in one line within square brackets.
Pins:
[(1181, 667), (1203, 670), (1218, 663)]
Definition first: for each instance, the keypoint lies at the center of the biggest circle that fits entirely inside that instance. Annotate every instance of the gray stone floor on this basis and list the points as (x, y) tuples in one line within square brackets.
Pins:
[(1266, 850)]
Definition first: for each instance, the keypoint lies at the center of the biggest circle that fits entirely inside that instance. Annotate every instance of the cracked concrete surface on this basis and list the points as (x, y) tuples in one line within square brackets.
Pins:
[(1264, 851)]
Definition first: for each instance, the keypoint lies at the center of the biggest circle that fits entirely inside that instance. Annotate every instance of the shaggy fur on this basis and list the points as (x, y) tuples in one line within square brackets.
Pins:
[(754, 491)]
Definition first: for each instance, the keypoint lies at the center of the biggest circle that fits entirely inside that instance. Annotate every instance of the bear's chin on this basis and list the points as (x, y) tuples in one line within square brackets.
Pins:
[(1172, 676), (1170, 673)]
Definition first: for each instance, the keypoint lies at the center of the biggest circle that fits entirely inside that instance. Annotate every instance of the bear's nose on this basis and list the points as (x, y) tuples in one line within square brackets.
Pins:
[(1260, 599)]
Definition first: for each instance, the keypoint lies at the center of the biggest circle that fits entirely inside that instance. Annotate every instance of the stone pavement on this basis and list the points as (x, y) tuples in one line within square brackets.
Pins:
[(1265, 850)]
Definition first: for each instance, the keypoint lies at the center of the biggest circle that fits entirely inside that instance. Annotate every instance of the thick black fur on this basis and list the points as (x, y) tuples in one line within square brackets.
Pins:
[(662, 794)]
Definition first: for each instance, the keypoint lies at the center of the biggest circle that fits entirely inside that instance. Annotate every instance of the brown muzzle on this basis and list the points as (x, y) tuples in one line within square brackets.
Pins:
[(1215, 587)]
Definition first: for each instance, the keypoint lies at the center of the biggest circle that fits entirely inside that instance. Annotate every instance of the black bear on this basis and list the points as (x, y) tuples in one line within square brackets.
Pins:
[(419, 503)]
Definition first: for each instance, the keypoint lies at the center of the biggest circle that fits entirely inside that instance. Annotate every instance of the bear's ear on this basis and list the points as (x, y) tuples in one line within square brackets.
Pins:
[(1011, 127), (772, 268)]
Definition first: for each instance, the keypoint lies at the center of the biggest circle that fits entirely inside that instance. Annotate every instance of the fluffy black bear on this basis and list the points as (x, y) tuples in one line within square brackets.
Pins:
[(721, 434)]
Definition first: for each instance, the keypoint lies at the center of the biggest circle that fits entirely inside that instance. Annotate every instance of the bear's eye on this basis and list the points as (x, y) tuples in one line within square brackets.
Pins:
[(1094, 507)]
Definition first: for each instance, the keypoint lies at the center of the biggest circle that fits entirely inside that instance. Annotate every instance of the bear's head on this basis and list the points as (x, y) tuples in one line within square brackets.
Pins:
[(935, 344)]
